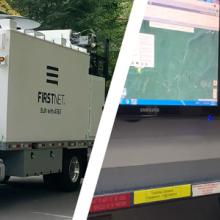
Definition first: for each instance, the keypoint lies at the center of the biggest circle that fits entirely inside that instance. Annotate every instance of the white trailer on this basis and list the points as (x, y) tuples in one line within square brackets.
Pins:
[(49, 105)]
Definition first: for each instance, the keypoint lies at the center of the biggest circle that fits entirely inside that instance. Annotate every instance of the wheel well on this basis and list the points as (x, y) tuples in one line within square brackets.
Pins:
[(81, 152)]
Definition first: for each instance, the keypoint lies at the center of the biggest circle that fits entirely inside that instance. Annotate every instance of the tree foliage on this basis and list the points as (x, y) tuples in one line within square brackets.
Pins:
[(108, 18)]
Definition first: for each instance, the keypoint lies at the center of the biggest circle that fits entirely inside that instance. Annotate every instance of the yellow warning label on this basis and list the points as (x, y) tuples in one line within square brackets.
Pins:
[(162, 194)]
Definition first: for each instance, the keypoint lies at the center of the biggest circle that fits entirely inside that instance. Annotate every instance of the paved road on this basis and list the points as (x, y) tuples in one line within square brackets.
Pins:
[(24, 199)]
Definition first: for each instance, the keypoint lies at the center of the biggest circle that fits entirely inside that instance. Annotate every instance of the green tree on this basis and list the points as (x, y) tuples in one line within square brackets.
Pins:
[(108, 18)]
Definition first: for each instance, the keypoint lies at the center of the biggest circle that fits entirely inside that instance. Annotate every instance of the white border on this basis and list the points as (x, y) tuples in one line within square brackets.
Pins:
[(110, 110)]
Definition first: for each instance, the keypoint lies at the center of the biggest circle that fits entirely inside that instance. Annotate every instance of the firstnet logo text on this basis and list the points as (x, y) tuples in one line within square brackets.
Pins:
[(50, 102), (51, 98)]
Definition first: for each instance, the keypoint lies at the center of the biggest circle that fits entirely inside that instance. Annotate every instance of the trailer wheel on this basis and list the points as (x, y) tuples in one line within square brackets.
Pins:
[(72, 171)]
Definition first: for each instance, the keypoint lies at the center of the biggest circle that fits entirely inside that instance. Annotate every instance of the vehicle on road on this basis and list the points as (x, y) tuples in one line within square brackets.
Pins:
[(50, 103)]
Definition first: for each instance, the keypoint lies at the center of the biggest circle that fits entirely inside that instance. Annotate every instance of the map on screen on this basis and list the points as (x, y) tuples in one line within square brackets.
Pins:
[(175, 60)]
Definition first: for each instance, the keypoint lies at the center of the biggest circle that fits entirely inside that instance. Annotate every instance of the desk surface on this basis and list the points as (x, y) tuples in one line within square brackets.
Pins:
[(157, 152)]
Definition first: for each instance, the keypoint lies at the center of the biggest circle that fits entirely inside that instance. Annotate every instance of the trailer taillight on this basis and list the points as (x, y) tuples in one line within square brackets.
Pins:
[(19, 146), (2, 60)]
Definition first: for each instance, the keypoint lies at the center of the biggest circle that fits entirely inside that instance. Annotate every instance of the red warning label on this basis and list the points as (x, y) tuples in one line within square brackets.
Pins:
[(110, 202)]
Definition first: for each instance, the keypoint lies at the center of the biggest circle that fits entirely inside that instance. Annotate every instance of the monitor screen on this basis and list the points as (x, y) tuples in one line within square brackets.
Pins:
[(175, 60)]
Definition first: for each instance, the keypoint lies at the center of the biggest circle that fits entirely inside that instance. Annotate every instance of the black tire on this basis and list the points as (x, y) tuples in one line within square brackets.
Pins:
[(72, 173), (5, 180)]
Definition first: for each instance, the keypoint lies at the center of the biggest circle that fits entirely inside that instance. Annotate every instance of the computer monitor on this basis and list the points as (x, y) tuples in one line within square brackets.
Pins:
[(175, 61)]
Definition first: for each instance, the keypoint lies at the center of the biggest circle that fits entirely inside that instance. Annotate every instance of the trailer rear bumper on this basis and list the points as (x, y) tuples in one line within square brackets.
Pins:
[(2, 170)]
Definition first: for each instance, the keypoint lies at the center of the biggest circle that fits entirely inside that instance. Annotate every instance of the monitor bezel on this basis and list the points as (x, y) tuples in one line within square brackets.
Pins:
[(170, 110), (173, 110)]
